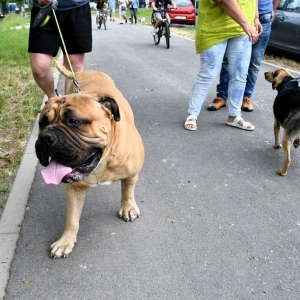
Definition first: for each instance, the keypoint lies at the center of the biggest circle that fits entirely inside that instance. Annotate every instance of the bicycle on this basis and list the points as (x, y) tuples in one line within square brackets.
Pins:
[(102, 17), (163, 29)]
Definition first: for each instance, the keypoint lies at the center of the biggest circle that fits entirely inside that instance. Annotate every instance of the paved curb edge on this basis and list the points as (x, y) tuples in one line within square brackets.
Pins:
[(14, 211)]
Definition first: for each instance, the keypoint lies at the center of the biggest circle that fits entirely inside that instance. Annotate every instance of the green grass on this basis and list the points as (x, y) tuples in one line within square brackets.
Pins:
[(145, 13), (20, 99), (141, 13), (13, 20)]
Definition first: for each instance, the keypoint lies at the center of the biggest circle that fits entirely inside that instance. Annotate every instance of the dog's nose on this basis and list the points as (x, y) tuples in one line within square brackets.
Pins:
[(47, 137)]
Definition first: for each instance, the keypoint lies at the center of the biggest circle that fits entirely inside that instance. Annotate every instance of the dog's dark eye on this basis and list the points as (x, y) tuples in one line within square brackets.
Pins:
[(74, 122)]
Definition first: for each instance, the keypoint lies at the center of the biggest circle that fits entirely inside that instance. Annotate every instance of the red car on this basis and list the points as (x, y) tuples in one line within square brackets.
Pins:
[(184, 13)]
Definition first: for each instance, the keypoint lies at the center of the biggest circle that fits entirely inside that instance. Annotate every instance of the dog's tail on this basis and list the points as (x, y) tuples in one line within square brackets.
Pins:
[(61, 68)]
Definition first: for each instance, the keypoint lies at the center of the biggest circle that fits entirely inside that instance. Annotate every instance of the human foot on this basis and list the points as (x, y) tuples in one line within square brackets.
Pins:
[(239, 123), (191, 123), (217, 103)]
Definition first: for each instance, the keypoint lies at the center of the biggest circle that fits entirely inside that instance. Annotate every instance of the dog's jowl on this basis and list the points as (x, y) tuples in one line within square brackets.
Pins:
[(286, 111), (88, 139)]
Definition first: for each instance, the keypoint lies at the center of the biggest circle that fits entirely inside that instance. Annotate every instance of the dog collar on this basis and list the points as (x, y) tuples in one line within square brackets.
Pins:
[(295, 80)]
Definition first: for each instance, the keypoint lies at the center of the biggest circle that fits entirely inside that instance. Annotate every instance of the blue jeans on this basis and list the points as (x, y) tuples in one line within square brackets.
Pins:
[(258, 51), (238, 52)]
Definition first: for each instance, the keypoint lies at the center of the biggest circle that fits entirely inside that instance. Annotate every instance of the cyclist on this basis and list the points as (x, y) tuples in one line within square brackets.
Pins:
[(100, 7), (158, 6)]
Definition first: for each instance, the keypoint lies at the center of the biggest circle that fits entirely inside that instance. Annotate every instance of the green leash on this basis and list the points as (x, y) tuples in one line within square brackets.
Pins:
[(78, 89)]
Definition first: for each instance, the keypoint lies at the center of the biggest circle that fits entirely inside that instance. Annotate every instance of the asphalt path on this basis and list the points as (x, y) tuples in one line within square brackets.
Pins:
[(216, 221)]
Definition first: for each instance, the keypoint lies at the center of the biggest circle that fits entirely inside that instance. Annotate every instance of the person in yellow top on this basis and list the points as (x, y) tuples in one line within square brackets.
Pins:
[(224, 27)]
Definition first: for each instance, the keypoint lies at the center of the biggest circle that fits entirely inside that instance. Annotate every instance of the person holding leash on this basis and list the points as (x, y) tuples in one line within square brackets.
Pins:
[(74, 19)]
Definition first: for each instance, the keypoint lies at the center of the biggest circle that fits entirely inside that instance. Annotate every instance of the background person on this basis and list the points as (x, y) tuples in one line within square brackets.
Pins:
[(122, 10), (112, 9), (100, 7), (157, 6), (133, 6), (23, 10), (223, 27), (74, 19), (266, 10)]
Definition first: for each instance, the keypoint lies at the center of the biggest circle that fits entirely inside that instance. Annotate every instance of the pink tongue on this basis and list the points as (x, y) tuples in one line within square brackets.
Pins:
[(55, 172)]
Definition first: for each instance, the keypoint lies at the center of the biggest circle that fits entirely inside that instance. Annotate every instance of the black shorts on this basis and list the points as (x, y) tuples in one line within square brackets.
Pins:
[(76, 28)]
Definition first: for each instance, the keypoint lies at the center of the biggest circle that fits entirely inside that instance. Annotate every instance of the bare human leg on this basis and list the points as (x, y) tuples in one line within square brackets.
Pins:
[(77, 61), (42, 74)]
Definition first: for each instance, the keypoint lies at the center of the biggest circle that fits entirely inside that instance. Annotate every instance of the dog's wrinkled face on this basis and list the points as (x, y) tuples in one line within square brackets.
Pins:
[(73, 132), (276, 77)]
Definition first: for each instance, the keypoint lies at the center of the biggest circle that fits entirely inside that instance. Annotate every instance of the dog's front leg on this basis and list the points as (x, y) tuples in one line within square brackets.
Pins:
[(129, 211), (276, 134), (287, 151), (75, 200)]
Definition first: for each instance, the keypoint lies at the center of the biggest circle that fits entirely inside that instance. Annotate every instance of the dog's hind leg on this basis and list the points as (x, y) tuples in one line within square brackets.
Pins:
[(286, 144), (276, 134), (296, 142), (129, 210)]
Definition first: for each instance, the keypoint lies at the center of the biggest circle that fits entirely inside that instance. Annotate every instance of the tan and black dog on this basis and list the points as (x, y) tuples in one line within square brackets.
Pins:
[(286, 110), (88, 139)]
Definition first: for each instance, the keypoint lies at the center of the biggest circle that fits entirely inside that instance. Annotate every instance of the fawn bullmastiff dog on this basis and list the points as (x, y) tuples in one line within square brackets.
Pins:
[(88, 139)]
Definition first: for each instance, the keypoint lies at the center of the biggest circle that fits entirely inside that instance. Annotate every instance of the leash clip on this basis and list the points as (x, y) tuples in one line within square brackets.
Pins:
[(78, 88)]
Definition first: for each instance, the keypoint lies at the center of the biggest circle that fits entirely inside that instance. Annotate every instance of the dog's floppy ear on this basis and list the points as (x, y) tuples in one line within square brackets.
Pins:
[(277, 78), (112, 105)]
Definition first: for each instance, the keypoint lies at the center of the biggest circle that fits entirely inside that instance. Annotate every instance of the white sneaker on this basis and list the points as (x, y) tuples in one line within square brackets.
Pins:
[(98, 26), (154, 31)]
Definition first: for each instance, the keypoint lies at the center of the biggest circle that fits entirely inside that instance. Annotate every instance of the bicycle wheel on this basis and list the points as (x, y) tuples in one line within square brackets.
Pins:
[(100, 23), (156, 37), (167, 34)]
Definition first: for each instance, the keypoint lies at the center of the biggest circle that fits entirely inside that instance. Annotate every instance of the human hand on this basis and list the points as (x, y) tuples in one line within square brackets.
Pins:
[(252, 33), (273, 15), (43, 2), (258, 26), (253, 36)]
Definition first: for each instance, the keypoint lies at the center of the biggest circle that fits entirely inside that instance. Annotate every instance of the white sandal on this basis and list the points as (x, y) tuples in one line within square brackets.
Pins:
[(245, 125), (190, 120)]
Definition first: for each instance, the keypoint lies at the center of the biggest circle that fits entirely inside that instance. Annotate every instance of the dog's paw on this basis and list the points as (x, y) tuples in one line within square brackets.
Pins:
[(277, 146), (281, 172), (61, 248), (296, 142), (129, 213)]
